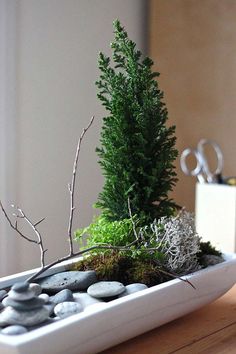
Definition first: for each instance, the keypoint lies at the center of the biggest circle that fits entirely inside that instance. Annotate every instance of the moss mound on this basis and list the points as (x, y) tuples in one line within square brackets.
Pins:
[(119, 267), (207, 249)]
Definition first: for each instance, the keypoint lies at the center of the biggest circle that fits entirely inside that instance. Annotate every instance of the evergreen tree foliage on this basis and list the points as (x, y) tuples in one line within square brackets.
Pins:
[(137, 148)]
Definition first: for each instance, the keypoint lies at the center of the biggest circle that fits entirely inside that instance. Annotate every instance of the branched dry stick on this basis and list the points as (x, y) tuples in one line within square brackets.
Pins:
[(38, 234), (21, 215), (71, 186), (15, 227)]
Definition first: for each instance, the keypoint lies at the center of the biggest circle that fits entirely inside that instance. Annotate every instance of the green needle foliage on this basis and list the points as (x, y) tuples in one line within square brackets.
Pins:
[(137, 148)]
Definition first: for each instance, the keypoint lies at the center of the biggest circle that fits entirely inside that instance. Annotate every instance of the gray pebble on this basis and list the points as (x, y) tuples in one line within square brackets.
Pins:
[(11, 316), (20, 287), (26, 305), (36, 288), (14, 330), (62, 296), (133, 288), (66, 309), (3, 293), (21, 296), (72, 280), (85, 299), (105, 289), (21, 291), (45, 297)]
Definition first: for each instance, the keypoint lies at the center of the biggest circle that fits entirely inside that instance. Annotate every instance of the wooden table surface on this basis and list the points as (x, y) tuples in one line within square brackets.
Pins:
[(210, 330)]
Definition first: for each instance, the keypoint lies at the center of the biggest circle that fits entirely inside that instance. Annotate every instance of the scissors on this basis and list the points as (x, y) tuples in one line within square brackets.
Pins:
[(202, 170)]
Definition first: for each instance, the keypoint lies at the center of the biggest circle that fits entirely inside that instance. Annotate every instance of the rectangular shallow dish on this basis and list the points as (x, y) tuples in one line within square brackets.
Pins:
[(124, 318)]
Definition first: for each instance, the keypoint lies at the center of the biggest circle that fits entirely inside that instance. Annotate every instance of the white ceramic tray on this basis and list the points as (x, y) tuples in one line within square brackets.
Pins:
[(124, 318)]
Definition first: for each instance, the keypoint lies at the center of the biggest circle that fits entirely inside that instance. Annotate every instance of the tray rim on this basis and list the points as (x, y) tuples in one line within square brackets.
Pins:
[(15, 341)]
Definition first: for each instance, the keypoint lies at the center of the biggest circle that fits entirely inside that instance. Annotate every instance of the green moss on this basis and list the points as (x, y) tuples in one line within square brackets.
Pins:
[(101, 230), (119, 267), (146, 272), (205, 249)]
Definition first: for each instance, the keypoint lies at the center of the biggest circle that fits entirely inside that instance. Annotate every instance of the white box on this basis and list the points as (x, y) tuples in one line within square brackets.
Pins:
[(215, 209)]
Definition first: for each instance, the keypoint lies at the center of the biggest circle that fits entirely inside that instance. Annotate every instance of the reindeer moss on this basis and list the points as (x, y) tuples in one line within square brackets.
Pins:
[(118, 267)]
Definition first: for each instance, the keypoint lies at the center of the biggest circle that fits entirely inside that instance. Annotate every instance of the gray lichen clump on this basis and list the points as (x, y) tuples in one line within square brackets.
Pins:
[(177, 240)]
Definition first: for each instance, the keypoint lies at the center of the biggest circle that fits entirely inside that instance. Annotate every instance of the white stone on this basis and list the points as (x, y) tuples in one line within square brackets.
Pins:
[(67, 308), (36, 288), (14, 330), (45, 297)]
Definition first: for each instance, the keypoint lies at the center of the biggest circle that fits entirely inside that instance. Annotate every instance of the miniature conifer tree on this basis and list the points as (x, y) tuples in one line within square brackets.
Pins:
[(137, 149)]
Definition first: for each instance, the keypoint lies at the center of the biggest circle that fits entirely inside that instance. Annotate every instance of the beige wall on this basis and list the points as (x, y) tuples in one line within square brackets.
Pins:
[(193, 44), (57, 45)]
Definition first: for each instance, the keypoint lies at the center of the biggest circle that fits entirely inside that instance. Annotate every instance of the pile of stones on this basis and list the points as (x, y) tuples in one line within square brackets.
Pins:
[(23, 307), (29, 306)]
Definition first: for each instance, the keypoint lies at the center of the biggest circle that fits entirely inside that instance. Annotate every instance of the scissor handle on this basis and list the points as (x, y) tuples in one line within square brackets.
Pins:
[(205, 165), (197, 171)]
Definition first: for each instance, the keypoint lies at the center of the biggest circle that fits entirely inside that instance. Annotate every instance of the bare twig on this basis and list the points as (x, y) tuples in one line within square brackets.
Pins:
[(177, 277), (39, 222), (38, 234), (15, 227), (21, 215), (71, 186)]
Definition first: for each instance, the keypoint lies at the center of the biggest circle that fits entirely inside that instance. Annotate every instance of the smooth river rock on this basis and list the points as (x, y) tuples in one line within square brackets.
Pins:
[(21, 295), (20, 287), (36, 288), (27, 305), (106, 289), (62, 296), (67, 308), (14, 330), (11, 316), (72, 280), (133, 288), (45, 297)]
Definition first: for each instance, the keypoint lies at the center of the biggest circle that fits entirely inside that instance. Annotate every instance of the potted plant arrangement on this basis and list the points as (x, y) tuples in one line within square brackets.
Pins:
[(143, 263)]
